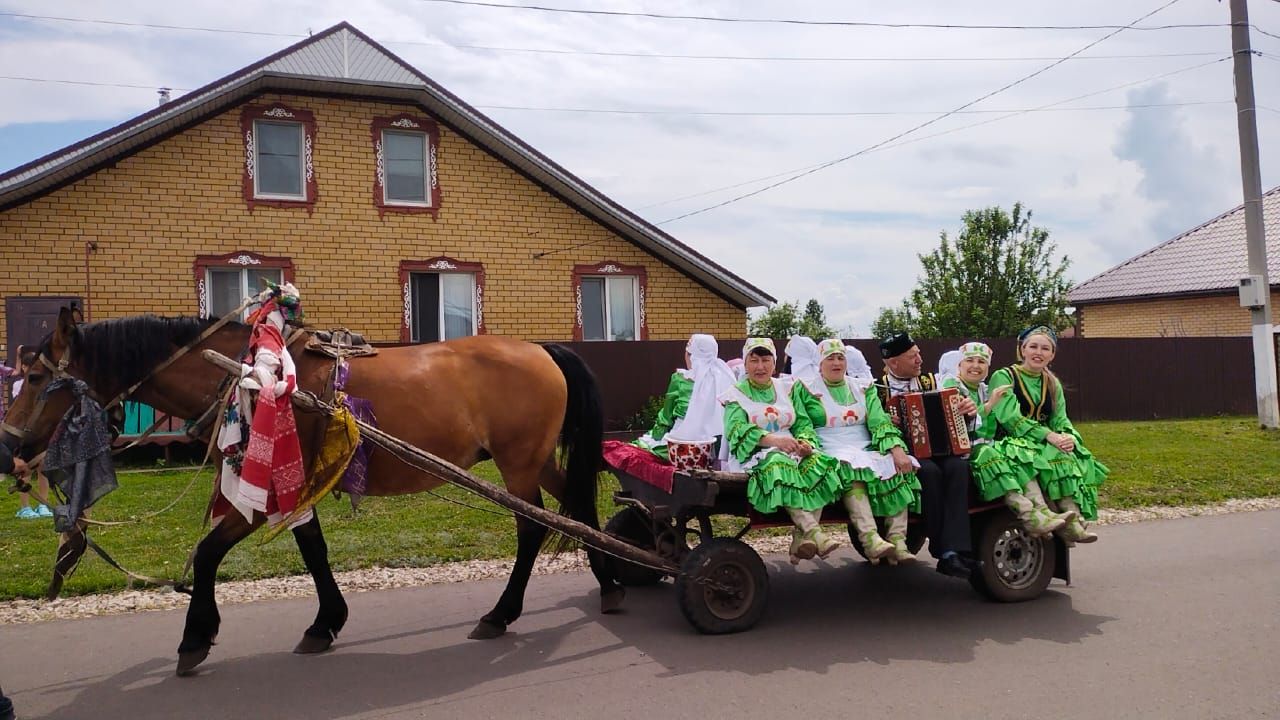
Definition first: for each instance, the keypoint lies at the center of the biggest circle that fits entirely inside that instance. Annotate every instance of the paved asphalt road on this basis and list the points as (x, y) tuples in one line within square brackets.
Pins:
[(1167, 619)]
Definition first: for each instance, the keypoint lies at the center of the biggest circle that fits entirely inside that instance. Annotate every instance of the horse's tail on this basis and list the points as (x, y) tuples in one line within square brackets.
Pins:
[(581, 436)]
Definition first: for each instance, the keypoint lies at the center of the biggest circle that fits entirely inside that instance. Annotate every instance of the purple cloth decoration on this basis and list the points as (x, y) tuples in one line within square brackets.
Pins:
[(355, 481)]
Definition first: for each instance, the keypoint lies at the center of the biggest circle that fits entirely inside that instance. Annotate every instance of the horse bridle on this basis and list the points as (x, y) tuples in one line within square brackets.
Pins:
[(59, 371)]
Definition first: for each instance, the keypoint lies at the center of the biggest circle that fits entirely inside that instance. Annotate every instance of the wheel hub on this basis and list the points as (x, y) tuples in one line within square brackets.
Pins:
[(1017, 558), (728, 590)]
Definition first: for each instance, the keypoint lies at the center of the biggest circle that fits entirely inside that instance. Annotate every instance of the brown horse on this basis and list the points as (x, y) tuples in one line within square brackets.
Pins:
[(465, 400)]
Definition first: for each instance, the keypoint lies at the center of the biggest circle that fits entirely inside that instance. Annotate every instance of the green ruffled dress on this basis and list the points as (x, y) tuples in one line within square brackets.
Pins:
[(776, 479), (992, 472), (888, 496), (1076, 475), (675, 405)]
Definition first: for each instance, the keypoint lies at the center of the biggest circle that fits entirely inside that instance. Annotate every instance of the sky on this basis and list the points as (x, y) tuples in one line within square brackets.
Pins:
[(1151, 152)]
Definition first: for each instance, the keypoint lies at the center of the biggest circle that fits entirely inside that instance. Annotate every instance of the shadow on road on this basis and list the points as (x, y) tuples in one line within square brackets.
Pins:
[(818, 619)]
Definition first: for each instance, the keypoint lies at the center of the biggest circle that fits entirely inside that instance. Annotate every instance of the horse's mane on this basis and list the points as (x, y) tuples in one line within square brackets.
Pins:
[(118, 353)]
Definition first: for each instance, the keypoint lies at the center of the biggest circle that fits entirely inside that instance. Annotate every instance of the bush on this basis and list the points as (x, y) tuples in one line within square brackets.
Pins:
[(643, 419)]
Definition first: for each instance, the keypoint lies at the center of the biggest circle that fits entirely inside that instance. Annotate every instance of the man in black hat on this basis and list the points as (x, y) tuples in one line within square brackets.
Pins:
[(944, 480)]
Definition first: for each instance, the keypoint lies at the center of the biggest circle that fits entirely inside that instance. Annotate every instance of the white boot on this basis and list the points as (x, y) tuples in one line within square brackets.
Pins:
[(803, 543), (1075, 531), (898, 536), (1036, 496), (859, 507), (1037, 522)]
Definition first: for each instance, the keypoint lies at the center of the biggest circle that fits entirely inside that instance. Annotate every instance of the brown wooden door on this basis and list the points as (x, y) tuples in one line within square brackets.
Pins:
[(29, 319)]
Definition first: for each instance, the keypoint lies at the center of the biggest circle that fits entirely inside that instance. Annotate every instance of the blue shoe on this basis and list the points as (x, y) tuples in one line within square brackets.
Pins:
[(44, 511), (27, 513)]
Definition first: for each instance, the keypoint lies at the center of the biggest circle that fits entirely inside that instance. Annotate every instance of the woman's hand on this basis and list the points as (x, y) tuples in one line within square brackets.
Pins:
[(966, 406), (786, 443), (1062, 441), (901, 460), (995, 396)]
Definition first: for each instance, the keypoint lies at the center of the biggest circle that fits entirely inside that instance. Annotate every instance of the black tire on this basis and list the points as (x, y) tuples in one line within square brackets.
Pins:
[(915, 536), (631, 525), (723, 587), (1015, 566)]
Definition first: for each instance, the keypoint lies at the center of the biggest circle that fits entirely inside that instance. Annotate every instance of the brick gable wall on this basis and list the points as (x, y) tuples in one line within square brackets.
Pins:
[(152, 213), (1215, 315)]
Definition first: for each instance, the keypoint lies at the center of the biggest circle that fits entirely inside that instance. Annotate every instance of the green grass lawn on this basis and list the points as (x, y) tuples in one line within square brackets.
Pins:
[(1171, 462)]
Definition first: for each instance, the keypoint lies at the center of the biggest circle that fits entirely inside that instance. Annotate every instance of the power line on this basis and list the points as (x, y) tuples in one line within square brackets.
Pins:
[(607, 53), (823, 114), (152, 88), (834, 23), (1264, 32), (921, 126), (1095, 93)]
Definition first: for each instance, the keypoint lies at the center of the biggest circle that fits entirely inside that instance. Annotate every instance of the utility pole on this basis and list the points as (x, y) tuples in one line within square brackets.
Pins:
[(1264, 355)]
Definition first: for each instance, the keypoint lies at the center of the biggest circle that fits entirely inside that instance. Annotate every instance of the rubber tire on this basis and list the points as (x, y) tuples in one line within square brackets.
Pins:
[(989, 583), (717, 558), (915, 537), (631, 525)]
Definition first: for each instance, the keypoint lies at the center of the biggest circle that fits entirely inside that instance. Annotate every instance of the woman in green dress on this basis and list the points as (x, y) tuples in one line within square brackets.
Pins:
[(1039, 438), (767, 438), (855, 429), (675, 403), (994, 475)]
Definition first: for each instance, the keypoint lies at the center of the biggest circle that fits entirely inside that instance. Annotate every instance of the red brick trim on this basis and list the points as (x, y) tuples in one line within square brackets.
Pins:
[(284, 113), (239, 258), (410, 123), (437, 264), (607, 268)]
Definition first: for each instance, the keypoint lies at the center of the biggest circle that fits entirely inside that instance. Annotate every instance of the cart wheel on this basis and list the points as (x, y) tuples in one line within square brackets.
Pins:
[(1016, 567), (631, 525), (723, 586), (915, 536)]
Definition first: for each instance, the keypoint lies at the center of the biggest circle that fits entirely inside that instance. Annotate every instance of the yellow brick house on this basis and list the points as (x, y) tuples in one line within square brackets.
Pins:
[(398, 210), (1183, 287)]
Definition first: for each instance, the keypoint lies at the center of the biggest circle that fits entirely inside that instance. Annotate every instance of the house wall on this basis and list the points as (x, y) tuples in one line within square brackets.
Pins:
[(152, 213), (1216, 315)]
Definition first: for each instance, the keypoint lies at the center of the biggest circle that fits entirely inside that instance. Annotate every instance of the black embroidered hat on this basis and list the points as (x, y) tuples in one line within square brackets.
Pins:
[(895, 345)]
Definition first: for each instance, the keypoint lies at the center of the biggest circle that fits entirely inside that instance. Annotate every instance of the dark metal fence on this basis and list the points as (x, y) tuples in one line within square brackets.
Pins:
[(1105, 378)]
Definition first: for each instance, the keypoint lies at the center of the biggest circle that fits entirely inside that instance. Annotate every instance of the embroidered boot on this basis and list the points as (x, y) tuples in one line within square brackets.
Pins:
[(1036, 495), (1036, 521), (826, 545), (898, 536), (803, 544), (1075, 531), (859, 507)]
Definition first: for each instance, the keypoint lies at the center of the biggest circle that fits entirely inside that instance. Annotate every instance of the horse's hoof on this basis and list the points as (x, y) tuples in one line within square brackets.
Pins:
[(311, 644), (488, 630), (611, 601), (188, 660)]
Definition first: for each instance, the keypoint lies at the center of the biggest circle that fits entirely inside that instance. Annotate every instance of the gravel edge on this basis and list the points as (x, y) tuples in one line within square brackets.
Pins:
[(382, 578)]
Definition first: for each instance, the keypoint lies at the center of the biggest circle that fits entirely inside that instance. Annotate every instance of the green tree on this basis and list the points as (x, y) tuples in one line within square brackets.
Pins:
[(785, 319), (814, 322), (891, 321), (998, 276)]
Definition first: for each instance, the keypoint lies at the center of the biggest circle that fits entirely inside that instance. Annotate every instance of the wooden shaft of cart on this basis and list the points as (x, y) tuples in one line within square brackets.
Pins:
[(448, 472)]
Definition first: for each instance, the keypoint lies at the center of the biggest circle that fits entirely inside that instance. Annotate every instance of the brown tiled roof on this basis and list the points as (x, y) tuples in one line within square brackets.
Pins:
[(1206, 259)]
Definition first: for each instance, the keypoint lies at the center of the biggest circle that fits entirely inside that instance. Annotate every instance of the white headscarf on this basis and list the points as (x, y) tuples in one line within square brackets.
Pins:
[(803, 352), (704, 420), (949, 364), (856, 364)]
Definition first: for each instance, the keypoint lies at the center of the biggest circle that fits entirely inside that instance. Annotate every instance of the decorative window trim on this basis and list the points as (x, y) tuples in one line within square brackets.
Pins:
[(278, 112), (438, 264), (605, 269), (413, 123), (239, 258)]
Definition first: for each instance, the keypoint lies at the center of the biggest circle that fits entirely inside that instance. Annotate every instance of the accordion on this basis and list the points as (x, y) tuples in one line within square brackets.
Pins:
[(930, 422)]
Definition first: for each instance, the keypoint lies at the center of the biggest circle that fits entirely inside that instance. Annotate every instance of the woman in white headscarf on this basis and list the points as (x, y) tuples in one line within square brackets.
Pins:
[(704, 418), (802, 352), (856, 365), (949, 365), (701, 358)]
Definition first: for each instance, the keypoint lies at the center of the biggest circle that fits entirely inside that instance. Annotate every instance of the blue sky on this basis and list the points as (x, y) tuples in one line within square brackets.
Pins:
[(1108, 181)]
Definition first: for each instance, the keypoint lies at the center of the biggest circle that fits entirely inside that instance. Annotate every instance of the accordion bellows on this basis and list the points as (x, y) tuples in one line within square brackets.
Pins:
[(930, 423)]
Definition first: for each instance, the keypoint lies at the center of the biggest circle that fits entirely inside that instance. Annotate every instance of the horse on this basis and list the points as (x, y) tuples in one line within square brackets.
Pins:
[(464, 400)]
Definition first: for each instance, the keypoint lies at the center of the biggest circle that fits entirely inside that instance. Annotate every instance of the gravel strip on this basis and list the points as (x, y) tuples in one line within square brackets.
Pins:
[(381, 578)]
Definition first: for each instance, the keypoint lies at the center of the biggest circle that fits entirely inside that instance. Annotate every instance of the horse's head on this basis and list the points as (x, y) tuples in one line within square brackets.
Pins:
[(38, 408)]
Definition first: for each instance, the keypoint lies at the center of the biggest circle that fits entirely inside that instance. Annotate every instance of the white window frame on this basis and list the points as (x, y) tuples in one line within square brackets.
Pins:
[(607, 303), (245, 290), (302, 161), (426, 170), (475, 325)]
